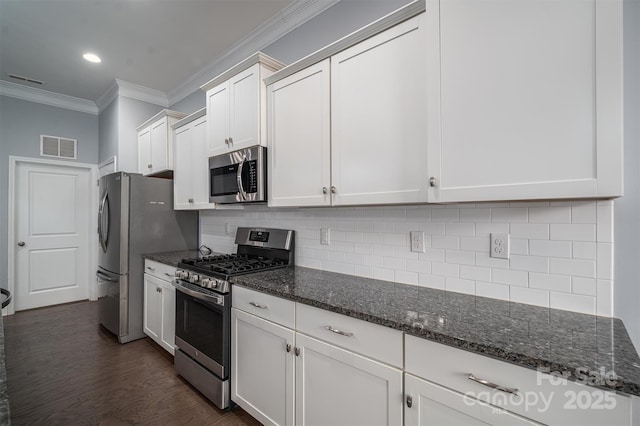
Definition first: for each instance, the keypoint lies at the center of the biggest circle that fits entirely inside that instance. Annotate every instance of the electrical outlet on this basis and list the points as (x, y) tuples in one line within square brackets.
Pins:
[(417, 241), (324, 236), (499, 246)]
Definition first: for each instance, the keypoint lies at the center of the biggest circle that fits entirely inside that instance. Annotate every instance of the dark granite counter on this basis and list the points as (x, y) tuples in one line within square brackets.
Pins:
[(570, 343), (172, 257), (4, 394)]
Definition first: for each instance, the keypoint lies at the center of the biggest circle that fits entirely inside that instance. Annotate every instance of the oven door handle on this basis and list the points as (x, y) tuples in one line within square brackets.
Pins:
[(198, 295)]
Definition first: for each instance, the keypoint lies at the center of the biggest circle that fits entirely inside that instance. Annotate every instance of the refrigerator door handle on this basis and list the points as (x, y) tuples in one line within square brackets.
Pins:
[(103, 222), (105, 277)]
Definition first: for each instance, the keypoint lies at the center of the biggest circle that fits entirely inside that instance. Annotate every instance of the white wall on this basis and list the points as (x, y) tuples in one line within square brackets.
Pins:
[(21, 124), (131, 114), (561, 255), (627, 208)]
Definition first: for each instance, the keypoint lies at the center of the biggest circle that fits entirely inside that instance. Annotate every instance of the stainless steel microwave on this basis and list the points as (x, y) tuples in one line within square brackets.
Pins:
[(239, 176)]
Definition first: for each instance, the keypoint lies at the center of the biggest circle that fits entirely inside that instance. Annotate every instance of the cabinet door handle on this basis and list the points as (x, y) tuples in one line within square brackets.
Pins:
[(149, 166), (226, 141), (190, 200), (324, 190), (288, 348), (231, 141), (432, 181), (340, 332), (487, 383), (168, 275), (297, 351), (150, 268), (333, 189), (257, 305), (409, 401), (159, 290)]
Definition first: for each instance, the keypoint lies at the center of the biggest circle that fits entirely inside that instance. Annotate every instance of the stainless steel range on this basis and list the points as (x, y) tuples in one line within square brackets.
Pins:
[(203, 306)]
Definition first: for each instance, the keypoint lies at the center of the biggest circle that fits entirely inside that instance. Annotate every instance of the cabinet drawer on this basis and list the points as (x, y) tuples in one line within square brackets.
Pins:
[(372, 340), (276, 309), (541, 397), (159, 270)]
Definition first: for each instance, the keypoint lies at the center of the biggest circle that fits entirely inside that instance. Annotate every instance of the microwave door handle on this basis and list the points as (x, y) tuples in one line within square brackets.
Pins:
[(241, 190)]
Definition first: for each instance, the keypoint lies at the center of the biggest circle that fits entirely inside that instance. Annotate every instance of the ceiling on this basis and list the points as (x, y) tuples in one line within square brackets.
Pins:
[(158, 44)]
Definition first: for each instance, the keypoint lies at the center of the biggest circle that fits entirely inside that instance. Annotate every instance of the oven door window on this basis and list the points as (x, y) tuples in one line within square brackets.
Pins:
[(204, 326), (224, 180)]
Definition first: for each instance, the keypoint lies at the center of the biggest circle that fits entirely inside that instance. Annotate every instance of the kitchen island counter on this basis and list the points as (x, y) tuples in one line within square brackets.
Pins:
[(577, 345)]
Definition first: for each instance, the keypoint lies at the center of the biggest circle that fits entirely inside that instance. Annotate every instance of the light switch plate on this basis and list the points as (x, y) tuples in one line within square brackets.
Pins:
[(324, 236)]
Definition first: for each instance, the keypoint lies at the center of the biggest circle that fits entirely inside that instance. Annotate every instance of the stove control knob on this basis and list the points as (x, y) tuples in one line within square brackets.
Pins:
[(179, 273), (194, 278), (216, 284), (205, 282)]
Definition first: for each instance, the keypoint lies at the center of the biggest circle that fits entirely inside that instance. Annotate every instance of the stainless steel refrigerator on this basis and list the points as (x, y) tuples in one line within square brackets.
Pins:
[(135, 216)]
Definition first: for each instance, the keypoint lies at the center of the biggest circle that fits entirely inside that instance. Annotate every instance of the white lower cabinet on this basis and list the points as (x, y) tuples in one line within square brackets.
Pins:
[(159, 305), (453, 386), (284, 377), (428, 404)]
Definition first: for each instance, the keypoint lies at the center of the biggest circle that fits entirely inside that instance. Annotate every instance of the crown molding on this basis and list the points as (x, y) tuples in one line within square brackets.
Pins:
[(291, 17), (32, 94), (133, 91)]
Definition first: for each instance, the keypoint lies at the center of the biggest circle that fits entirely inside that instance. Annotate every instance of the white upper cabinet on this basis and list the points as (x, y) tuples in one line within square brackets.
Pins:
[(155, 143), (236, 105), (531, 100), (378, 105), (299, 138), (191, 174), (360, 135)]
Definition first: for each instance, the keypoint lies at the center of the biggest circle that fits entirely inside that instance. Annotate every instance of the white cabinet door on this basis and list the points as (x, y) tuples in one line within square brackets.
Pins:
[(262, 374), (335, 386), (244, 108), (160, 159), (218, 119), (531, 98), (183, 183), (200, 165), (298, 141), (378, 109), (144, 151), (152, 307), (427, 404), (168, 317)]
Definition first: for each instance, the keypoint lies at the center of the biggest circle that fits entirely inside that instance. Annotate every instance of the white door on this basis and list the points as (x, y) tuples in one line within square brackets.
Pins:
[(200, 165), (338, 387), (218, 119), (52, 219), (168, 317), (244, 108), (378, 130), (262, 374), (159, 146), (299, 138), (427, 404), (183, 175), (144, 151)]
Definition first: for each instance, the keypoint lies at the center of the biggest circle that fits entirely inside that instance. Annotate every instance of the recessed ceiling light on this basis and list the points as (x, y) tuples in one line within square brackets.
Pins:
[(92, 58)]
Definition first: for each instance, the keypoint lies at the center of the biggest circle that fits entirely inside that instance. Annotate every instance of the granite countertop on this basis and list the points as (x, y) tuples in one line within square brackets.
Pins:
[(4, 394), (174, 257), (574, 344)]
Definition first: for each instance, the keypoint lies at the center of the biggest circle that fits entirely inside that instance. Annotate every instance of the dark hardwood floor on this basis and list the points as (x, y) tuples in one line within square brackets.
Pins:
[(64, 369)]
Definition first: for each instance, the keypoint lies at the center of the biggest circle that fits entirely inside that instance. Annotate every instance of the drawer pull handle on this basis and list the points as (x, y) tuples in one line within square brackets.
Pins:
[(169, 275), (493, 385), (257, 305), (340, 332), (150, 268)]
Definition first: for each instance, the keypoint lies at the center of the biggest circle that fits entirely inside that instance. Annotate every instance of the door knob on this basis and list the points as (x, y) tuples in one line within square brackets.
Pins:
[(21, 243)]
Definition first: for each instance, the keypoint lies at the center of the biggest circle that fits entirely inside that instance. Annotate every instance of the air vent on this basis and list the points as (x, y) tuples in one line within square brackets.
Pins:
[(53, 146), (26, 79)]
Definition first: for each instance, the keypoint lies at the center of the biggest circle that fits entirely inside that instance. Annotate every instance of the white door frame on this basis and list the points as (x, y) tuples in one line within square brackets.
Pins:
[(93, 222)]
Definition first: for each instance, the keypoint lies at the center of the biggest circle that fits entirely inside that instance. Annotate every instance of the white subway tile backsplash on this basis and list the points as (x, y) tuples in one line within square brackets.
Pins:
[(561, 283), (573, 232), (460, 286), (573, 302), (576, 267), (538, 231), (507, 276), (550, 248), (561, 251), (530, 296), (529, 263), (550, 215), (495, 291), (585, 286), (509, 214)]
